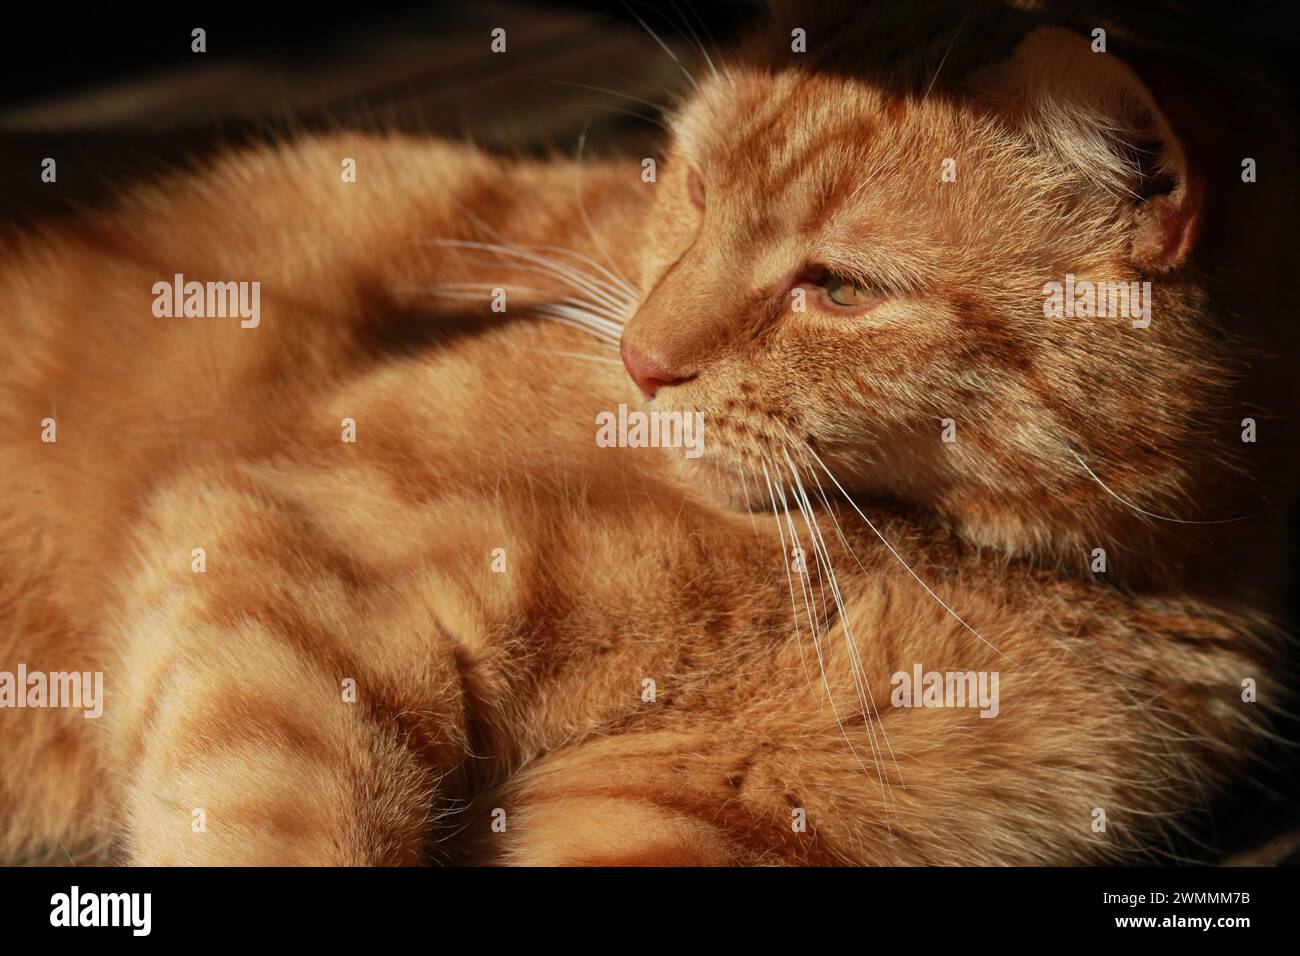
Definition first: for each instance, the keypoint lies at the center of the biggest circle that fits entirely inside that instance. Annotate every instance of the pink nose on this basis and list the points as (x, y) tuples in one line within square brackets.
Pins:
[(645, 371)]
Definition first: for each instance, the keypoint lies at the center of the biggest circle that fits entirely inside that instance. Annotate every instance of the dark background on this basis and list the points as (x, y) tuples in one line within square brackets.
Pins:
[(52, 49), (55, 49)]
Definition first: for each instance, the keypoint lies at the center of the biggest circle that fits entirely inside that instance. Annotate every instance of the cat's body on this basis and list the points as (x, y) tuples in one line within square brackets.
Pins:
[(633, 677)]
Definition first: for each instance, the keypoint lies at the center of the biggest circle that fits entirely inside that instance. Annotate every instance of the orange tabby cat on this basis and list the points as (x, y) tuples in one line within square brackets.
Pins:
[(365, 588)]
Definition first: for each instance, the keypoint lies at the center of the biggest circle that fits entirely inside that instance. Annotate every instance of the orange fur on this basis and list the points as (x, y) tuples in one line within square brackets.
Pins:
[(521, 691)]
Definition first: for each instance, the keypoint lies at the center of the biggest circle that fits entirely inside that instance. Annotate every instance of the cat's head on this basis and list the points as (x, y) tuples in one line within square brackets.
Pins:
[(839, 273)]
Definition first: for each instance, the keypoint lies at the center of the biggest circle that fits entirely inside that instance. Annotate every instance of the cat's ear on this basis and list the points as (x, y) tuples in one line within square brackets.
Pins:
[(1094, 115)]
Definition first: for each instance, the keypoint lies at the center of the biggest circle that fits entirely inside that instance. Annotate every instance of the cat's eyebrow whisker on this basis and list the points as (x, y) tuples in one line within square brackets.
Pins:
[(699, 43), (1128, 504), (681, 66), (618, 109), (944, 59), (898, 557), (611, 92), (695, 37)]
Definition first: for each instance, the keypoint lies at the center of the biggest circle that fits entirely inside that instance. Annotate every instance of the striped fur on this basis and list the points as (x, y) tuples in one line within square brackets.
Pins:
[(519, 696)]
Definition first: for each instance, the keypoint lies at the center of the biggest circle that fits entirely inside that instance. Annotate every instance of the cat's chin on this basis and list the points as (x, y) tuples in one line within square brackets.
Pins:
[(709, 479)]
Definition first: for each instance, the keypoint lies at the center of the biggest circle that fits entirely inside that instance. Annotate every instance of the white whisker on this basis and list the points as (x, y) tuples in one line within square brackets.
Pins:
[(740, 473), (645, 26), (612, 297), (866, 698), (589, 358), (582, 209), (569, 312), (898, 557), (581, 320), (830, 693), (794, 608), (616, 283), (713, 70), (1141, 511)]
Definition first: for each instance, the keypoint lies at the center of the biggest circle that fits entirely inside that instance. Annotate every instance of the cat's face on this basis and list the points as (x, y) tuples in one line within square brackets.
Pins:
[(832, 273)]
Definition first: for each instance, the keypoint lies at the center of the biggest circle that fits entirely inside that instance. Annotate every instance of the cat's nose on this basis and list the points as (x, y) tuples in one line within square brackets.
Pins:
[(648, 374)]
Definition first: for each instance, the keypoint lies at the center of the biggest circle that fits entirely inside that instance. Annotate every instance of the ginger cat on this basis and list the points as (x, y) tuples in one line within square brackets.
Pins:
[(473, 634)]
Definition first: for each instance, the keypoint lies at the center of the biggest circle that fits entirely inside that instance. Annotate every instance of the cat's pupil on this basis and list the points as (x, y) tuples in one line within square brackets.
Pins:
[(845, 291)]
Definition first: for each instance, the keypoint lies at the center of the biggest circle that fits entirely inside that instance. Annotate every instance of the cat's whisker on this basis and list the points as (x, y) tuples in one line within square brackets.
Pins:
[(609, 308), (805, 590), (866, 698), (898, 557), (463, 295), (699, 43), (744, 486), (570, 308), (580, 355), (476, 290), (618, 109), (631, 293), (689, 29), (823, 556), (821, 660), (594, 324), (1142, 511), (558, 320), (504, 243), (573, 312), (567, 273), (582, 209), (785, 562), (545, 265), (610, 92), (663, 46), (947, 50)]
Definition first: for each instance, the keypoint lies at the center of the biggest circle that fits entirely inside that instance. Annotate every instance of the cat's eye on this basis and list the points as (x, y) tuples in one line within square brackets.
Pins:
[(846, 292)]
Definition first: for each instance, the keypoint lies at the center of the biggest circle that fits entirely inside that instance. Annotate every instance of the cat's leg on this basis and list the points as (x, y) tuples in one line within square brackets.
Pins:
[(56, 800), (267, 708), (1099, 737)]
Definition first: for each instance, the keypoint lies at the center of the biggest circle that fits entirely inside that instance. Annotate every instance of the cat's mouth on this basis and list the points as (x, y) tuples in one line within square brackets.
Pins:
[(739, 463)]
